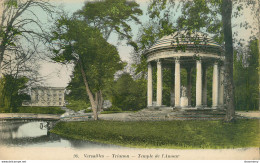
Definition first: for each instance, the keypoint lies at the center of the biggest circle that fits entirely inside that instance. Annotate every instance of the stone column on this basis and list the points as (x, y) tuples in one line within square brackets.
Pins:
[(150, 85), (189, 85), (204, 86), (172, 86), (199, 84), (177, 86), (159, 83), (221, 85), (215, 85)]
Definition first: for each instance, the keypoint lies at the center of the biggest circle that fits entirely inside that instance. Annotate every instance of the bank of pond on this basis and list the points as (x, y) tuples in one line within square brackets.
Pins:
[(189, 134), (35, 110)]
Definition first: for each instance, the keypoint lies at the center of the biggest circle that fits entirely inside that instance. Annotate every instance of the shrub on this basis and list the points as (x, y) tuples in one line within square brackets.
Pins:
[(78, 105), (114, 108), (129, 94), (40, 110)]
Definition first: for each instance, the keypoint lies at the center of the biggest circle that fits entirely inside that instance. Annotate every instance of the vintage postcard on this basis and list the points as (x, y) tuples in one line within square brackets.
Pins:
[(129, 80)]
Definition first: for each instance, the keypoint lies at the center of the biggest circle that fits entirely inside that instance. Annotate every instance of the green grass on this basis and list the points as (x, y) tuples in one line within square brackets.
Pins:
[(165, 134), (40, 110)]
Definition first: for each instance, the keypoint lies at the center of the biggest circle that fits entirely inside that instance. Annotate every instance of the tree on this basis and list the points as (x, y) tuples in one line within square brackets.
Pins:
[(10, 92), (129, 94), (246, 78), (95, 60), (16, 28), (111, 16), (226, 12)]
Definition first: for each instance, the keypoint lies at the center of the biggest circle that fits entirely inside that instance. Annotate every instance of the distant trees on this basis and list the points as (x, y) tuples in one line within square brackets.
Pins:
[(246, 78), (10, 93), (129, 94)]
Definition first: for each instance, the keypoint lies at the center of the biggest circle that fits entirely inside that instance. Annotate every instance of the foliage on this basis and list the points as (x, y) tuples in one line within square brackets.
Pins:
[(114, 108), (77, 105), (100, 59), (111, 16), (165, 134), (11, 96), (129, 94), (40, 110), (246, 79)]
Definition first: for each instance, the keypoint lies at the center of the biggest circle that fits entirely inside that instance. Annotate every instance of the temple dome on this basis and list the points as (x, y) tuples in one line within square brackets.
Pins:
[(189, 40)]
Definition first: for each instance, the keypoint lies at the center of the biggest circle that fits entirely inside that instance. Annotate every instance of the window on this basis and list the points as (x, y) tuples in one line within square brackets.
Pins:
[(59, 103)]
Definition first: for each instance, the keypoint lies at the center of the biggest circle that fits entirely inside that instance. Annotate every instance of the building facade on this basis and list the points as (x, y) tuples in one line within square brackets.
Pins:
[(47, 96)]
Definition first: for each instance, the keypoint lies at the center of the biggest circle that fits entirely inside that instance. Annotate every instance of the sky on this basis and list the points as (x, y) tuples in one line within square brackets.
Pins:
[(58, 75)]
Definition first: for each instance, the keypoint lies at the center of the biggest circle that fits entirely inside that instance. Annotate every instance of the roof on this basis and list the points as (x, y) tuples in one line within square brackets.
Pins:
[(190, 40)]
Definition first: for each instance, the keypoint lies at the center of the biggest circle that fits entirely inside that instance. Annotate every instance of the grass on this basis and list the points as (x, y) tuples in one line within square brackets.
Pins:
[(40, 110), (165, 134)]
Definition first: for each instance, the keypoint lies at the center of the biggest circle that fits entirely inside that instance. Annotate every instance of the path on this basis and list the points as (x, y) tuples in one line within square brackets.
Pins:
[(156, 115), (28, 116)]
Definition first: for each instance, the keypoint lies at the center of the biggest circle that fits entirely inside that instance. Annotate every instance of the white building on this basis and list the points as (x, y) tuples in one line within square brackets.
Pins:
[(46, 96)]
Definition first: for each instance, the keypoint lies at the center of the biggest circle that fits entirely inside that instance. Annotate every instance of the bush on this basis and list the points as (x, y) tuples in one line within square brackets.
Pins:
[(40, 110), (129, 94), (113, 109), (88, 110), (78, 105)]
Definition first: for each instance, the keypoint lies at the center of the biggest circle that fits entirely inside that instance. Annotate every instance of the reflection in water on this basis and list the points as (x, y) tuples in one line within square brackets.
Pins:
[(35, 134)]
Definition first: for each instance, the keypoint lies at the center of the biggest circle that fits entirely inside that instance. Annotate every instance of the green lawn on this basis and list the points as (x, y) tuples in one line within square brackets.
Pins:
[(165, 134), (40, 110)]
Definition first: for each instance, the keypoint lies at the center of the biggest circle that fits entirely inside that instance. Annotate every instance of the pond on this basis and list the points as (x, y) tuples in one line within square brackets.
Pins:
[(35, 134)]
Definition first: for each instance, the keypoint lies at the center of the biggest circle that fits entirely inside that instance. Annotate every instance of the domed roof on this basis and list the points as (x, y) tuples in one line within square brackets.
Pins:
[(187, 40)]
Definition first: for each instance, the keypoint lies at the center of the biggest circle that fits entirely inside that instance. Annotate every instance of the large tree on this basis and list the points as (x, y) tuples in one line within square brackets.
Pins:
[(95, 60), (226, 13)]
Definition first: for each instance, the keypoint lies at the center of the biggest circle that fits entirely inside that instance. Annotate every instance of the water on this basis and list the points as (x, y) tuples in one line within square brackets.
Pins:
[(35, 134)]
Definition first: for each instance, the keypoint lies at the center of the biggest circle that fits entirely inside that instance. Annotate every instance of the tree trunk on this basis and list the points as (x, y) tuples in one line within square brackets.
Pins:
[(226, 11), (259, 65), (1, 74), (99, 100), (257, 14), (2, 51), (90, 95)]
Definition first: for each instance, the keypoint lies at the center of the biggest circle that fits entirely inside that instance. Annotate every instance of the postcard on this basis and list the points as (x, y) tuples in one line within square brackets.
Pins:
[(129, 80)]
